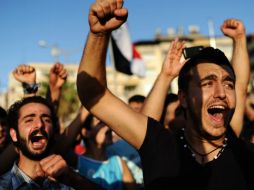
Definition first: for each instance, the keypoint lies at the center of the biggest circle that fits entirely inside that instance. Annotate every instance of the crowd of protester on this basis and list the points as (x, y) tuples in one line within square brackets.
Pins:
[(201, 138)]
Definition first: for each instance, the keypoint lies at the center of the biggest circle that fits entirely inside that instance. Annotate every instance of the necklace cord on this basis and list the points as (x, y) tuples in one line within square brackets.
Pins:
[(203, 155)]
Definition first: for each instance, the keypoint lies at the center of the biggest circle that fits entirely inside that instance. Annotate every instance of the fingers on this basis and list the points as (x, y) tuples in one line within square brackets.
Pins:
[(23, 69), (104, 9), (39, 171), (176, 48), (63, 74), (121, 13), (233, 28), (231, 23), (106, 15), (25, 73), (56, 67), (172, 64), (119, 4), (53, 166), (100, 11), (59, 70)]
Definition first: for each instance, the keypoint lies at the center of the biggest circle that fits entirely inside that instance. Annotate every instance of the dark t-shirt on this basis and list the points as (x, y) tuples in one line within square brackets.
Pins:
[(167, 164)]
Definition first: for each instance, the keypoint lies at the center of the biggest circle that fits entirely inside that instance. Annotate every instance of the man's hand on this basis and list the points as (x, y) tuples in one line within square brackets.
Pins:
[(57, 76), (55, 168), (233, 28), (25, 74), (172, 65), (52, 167), (106, 15)]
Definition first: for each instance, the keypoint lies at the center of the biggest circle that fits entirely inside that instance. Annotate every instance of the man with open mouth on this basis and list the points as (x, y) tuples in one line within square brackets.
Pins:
[(206, 154), (31, 122)]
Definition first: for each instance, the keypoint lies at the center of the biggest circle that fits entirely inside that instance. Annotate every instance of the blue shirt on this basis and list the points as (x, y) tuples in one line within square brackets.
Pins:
[(130, 155), (17, 179), (108, 174)]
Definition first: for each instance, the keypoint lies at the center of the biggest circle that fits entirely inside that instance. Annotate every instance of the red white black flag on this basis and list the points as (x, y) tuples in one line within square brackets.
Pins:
[(126, 58)]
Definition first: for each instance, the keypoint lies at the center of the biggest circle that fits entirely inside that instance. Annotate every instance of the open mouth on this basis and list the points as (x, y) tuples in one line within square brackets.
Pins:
[(217, 113), (38, 139)]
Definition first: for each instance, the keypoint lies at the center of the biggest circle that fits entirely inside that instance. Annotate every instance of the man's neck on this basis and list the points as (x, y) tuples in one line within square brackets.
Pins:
[(28, 166), (203, 149), (200, 143)]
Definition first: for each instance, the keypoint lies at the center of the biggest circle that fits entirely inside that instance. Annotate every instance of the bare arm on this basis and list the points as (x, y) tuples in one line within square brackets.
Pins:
[(240, 61), (105, 16), (128, 180), (154, 102), (73, 129), (68, 137), (57, 78)]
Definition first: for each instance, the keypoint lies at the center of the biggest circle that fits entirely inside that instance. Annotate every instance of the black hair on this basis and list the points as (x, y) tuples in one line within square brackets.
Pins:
[(13, 112), (3, 126), (206, 55), (3, 113), (88, 125), (136, 98), (170, 98), (88, 122)]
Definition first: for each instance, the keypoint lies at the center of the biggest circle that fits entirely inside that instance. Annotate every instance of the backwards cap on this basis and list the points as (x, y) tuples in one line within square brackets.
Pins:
[(206, 55)]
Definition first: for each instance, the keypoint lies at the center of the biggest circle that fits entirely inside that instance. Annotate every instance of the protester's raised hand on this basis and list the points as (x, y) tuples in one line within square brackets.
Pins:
[(25, 74), (172, 64), (57, 76), (233, 28), (107, 15)]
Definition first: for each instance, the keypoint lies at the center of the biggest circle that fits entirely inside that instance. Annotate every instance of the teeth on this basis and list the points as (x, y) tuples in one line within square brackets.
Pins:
[(38, 135), (217, 107)]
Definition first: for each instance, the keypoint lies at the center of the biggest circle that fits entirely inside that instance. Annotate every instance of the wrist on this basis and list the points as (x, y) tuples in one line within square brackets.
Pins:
[(30, 88), (166, 77), (100, 35), (55, 94), (239, 38), (55, 88)]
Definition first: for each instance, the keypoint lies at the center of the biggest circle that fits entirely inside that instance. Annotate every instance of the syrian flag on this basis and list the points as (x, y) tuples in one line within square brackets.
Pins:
[(125, 56)]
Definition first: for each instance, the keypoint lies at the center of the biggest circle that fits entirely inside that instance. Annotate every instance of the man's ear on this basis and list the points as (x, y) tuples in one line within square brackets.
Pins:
[(13, 135), (182, 98)]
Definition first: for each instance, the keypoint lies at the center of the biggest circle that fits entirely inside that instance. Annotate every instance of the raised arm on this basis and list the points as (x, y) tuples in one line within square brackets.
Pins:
[(154, 103), (57, 78), (234, 29), (68, 137), (105, 16), (26, 75)]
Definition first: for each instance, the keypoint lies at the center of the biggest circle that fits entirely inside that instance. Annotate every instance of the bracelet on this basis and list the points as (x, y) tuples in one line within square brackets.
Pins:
[(30, 88)]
